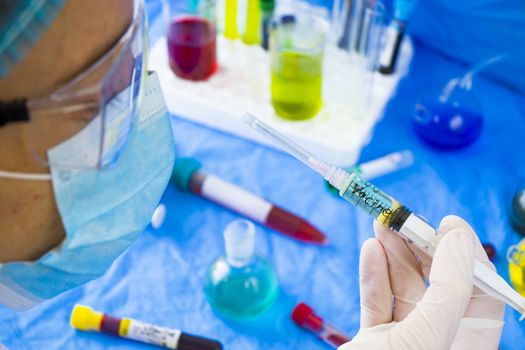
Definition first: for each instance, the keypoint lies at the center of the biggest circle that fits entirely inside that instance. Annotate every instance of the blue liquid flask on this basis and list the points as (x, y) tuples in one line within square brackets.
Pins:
[(448, 120), (452, 117), (241, 285)]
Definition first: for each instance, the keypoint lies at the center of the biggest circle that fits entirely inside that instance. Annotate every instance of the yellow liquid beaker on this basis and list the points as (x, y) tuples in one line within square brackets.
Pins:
[(516, 258), (297, 41), (296, 85)]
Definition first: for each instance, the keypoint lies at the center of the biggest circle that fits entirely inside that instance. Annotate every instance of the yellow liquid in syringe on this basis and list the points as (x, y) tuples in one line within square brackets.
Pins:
[(517, 267)]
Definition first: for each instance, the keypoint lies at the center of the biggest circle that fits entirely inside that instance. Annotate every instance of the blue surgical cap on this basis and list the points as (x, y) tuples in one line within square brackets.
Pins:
[(22, 22)]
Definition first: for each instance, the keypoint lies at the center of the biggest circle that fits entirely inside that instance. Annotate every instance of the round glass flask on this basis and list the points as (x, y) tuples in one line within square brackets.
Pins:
[(240, 285)]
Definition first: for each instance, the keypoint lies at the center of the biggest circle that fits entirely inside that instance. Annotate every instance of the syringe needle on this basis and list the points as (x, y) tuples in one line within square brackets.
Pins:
[(331, 173), (389, 212), (286, 144)]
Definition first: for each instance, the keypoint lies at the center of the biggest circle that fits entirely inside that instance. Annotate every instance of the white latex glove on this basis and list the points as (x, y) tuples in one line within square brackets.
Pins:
[(399, 312)]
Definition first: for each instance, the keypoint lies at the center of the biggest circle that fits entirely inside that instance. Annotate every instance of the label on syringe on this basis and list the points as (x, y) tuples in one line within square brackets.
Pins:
[(152, 334), (366, 196)]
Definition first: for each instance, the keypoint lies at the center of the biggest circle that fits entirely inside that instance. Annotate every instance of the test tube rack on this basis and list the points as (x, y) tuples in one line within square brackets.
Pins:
[(351, 105)]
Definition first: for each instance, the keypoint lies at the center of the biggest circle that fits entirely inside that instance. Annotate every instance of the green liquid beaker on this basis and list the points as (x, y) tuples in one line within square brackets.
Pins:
[(241, 293), (240, 285), (296, 44)]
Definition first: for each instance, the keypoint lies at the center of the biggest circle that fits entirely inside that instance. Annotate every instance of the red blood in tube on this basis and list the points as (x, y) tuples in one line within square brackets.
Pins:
[(294, 226), (338, 339), (110, 325)]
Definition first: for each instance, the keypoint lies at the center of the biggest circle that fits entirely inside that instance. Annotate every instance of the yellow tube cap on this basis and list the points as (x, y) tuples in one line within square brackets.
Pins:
[(85, 318)]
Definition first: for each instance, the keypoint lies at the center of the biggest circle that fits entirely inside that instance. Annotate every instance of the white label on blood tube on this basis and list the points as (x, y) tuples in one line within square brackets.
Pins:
[(151, 334), (235, 198), (390, 43)]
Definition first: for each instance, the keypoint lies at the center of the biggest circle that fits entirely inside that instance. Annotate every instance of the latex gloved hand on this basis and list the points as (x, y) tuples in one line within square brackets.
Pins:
[(448, 314)]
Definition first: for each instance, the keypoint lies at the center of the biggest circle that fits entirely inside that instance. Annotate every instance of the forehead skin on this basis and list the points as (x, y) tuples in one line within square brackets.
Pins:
[(81, 33)]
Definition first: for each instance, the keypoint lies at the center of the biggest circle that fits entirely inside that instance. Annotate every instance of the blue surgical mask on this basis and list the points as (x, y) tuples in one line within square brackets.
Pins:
[(103, 211)]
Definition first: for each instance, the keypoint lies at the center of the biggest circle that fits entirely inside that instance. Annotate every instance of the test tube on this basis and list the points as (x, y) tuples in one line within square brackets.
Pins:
[(305, 317), (252, 29), (386, 164), (86, 319), (357, 29), (230, 20), (394, 35), (369, 47), (267, 8), (369, 33), (381, 166), (347, 17)]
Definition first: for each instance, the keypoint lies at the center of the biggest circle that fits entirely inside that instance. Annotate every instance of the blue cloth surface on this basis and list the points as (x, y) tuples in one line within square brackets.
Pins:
[(160, 278), (475, 30)]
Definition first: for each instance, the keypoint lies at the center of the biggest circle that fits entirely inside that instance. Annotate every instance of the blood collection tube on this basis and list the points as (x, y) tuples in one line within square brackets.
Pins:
[(188, 176), (267, 7), (394, 35), (86, 319), (305, 317)]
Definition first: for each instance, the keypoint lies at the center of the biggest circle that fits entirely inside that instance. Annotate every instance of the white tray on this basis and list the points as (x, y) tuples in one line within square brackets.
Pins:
[(242, 84)]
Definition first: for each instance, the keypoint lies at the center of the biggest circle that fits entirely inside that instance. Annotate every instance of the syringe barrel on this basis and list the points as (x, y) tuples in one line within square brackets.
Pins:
[(363, 194), (421, 233), (390, 213)]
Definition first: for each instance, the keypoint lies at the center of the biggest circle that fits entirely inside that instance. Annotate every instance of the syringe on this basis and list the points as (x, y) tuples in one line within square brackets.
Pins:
[(389, 212)]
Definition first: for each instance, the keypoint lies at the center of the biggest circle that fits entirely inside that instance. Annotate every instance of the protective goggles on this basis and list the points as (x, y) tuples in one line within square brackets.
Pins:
[(102, 102)]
